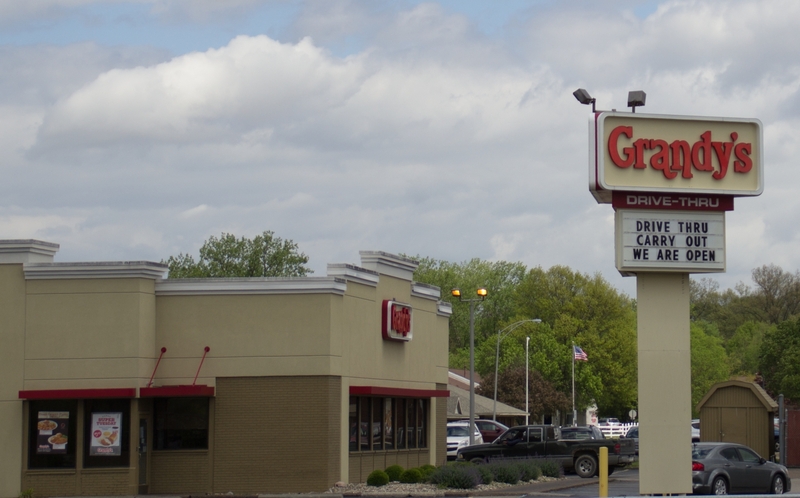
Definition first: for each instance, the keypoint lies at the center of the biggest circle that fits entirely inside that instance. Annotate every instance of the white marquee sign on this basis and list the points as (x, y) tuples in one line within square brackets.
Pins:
[(683, 241)]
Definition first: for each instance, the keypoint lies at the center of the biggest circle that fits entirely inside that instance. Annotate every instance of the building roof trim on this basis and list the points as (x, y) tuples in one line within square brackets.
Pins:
[(253, 286), (443, 308), (27, 251), (389, 264), (353, 273), (102, 269), (425, 291)]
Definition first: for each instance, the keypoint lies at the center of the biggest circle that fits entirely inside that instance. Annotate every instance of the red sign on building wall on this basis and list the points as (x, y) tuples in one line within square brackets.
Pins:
[(396, 321)]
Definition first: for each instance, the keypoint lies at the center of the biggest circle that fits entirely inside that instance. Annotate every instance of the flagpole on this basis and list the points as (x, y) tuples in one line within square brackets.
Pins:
[(574, 422)]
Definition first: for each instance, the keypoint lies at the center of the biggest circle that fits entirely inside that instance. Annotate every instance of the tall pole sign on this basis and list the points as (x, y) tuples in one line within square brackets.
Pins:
[(670, 180)]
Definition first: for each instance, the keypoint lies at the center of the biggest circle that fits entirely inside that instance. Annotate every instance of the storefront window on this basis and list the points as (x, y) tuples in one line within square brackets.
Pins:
[(387, 423), (51, 435), (180, 423), (400, 409), (377, 417), (107, 433)]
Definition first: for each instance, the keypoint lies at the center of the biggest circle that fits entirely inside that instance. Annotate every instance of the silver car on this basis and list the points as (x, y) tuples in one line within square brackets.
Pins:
[(730, 468)]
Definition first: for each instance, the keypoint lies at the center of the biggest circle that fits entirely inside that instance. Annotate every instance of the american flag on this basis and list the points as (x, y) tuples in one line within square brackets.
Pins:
[(579, 354)]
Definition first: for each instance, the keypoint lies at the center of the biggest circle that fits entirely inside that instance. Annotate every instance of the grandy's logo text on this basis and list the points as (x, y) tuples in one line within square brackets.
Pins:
[(679, 156)]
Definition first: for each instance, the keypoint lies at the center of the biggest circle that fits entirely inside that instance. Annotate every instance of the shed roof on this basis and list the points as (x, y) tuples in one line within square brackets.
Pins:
[(760, 394), (458, 405)]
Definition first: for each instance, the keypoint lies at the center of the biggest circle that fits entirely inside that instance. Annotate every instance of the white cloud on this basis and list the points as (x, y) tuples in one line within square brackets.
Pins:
[(433, 138)]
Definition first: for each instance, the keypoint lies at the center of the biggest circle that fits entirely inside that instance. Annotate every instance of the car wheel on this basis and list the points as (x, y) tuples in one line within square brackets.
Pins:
[(719, 486), (478, 461), (586, 466), (778, 485)]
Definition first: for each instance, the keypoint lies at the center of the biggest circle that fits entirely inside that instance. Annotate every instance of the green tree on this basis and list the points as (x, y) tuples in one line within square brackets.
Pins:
[(589, 312), (745, 346), (778, 363), (709, 361), (263, 256), (543, 397), (499, 278)]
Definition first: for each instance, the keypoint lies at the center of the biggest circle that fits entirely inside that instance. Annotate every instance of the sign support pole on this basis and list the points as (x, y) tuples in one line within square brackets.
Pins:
[(665, 390)]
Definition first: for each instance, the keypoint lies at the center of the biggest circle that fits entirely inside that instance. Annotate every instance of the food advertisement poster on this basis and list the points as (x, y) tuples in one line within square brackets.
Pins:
[(105, 430), (52, 432)]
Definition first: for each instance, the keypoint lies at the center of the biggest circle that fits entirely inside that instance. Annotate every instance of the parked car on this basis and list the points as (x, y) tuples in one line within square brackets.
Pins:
[(633, 433), (581, 432), (544, 441), (458, 437), (490, 429), (696, 430), (609, 421), (729, 468)]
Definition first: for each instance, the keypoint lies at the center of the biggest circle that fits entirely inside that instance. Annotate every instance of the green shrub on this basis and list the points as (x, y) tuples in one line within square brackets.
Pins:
[(411, 476), (529, 470), (394, 472), (456, 476), (427, 470), (378, 478), (486, 474), (551, 468), (505, 471)]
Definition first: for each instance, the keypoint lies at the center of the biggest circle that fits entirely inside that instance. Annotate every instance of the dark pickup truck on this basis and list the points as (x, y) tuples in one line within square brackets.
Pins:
[(545, 441)]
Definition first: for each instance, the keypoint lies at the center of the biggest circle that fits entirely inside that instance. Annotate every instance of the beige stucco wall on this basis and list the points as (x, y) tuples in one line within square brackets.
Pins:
[(12, 318), (96, 333)]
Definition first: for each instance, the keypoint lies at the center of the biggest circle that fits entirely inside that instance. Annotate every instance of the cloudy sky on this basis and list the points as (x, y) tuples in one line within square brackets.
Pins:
[(134, 130)]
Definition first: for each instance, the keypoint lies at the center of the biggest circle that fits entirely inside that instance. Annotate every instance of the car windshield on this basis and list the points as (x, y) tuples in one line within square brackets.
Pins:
[(457, 431), (700, 452)]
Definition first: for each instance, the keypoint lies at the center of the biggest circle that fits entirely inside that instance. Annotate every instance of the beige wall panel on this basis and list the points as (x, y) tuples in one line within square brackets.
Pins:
[(180, 371), (269, 429), (10, 448), (107, 482), (12, 347), (52, 483), (664, 383), (104, 325), (92, 286), (244, 326), (180, 472)]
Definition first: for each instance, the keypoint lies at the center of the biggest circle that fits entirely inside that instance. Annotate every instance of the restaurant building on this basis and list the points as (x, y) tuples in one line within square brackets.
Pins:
[(118, 381)]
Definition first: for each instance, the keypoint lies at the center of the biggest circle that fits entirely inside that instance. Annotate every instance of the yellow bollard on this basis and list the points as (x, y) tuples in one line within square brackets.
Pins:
[(603, 472)]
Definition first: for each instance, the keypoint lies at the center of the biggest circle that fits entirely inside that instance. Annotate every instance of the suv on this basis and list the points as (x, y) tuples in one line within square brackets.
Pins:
[(458, 437), (490, 429)]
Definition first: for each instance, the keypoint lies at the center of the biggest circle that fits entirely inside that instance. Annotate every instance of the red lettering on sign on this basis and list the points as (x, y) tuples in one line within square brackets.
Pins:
[(401, 320), (679, 155)]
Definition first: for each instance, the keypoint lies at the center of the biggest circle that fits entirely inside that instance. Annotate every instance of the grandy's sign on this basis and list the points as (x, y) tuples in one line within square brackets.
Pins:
[(674, 154), (396, 321)]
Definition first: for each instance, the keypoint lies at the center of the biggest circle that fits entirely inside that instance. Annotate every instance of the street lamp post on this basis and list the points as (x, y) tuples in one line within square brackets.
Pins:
[(527, 411), (481, 292), (500, 335)]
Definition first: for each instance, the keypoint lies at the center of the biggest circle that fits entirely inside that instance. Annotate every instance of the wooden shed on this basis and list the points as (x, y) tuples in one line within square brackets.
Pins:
[(739, 412)]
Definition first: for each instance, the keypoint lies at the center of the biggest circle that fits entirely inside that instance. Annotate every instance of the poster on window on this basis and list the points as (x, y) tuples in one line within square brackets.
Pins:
[(52, 432), (105, 431)]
